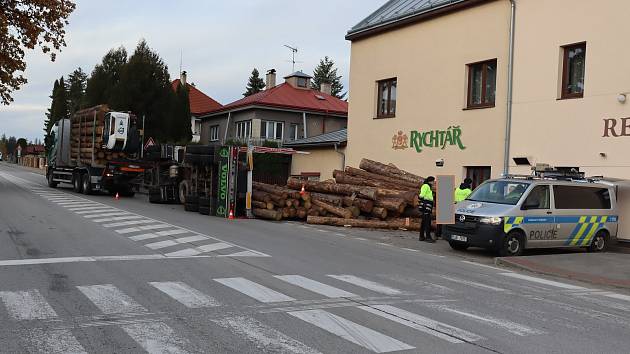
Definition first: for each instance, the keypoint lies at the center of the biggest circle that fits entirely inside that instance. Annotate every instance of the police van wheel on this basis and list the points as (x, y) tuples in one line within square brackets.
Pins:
[(599, 243), (458, 246), (512, 245)]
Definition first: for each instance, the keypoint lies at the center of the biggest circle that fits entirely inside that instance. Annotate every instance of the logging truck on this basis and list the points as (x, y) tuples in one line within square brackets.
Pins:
[(96, 150)]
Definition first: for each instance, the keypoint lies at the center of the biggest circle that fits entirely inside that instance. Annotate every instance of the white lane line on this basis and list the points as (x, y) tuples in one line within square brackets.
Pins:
[(172, 232), (350, 331), (110, 300), (263, 336), (60, 199), (119, 218), (27, 305), (409, 249), (340, 234), (77, 205), (32, 261), (142, 228), (54, 341), (254, 290), (383, 244), (71, 203), (360, 239), (364, 283), (156, 337), (424, 324), (127, 223), (186, 295), (315, 286), (485, 266), (113, 213), (187, 252), (189, 239), (144, 237), (512, 327), (161, 244), (469, 283), (543, 281), (214, 247), (245, 254), (92, 210), (618, 296)]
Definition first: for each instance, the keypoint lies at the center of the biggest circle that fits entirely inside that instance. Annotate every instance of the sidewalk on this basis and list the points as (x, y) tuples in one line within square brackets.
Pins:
[(30, 169), (608, 269)]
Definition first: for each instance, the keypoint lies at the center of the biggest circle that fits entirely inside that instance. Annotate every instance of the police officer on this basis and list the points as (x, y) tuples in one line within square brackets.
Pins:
[(426, 209), (463, 191)]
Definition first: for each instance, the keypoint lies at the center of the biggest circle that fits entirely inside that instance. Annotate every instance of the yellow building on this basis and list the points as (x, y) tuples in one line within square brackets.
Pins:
[(430, 82)]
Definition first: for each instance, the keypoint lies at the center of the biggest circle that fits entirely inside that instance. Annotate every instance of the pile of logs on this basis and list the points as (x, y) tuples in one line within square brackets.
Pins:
[(375, 195), (86, 137)]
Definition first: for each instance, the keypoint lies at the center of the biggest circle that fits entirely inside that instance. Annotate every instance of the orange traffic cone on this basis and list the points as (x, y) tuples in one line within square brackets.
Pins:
[(302, 191), (231, 216), (117, 197)]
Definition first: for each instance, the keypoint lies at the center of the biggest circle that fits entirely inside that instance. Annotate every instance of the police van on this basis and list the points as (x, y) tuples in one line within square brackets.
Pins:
[(543, 210)]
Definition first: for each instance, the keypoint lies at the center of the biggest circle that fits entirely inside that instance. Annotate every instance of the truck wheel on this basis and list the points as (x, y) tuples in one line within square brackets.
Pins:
[(86, 184), (512, 245), (77, 183), (599, 243), (51, 183), (183, 191)]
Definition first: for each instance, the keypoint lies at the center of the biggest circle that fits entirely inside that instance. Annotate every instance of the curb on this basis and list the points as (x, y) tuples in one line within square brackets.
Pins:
[(540, 268)]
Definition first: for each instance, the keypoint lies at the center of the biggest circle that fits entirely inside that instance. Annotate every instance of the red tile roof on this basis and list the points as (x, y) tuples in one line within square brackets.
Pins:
[(287, 96), (199, 101)]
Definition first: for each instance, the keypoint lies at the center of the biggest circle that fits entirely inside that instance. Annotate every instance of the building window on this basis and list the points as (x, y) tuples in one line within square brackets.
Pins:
[(244, 129), (301, 82), (478, 174), (573, 69), (482, 83), (293, 131), (272, 130), (214, 133), (386, 98)]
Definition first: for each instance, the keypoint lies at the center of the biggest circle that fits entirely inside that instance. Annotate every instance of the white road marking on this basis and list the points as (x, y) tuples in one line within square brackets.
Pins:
[(142, 228), (350, 331), (410, 249), (172, 232), (315, 286), (360, 239), (383, 244), (54, 341), (71, 203), (110, 300), (618, 296), (156, 338), (127, 223), (485, 266), (265, 337), (214, 247), (161, 244), (186, 295), (77, 205), (183, 253), (543, 281), (119, 218), (144, 237), (93, 210), (113, 213), (27, 305), (424, 324), (189, 239), (512, 327), (245, 254), (364, 283), (254, 290), (469, 283), (340, 234)]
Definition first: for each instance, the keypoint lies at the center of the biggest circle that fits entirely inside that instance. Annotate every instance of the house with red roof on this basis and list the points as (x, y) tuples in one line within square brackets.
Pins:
[(281, 113), (200, 103)]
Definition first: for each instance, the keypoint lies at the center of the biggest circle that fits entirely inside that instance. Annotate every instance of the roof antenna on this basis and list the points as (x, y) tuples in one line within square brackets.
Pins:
[(293, 51)]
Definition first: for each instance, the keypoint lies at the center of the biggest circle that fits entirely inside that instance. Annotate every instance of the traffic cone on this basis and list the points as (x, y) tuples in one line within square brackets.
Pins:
[(231, 216), (302, 191), (117, 197)]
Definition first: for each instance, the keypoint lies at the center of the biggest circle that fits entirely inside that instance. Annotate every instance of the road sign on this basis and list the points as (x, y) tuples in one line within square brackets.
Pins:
[(150, 142)]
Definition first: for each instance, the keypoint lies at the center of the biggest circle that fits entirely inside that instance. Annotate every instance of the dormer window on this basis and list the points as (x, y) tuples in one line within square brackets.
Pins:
[(301, 82), (298, 80)]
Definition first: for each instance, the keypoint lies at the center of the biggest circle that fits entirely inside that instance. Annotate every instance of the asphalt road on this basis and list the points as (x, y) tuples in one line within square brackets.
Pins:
[(97, 275)]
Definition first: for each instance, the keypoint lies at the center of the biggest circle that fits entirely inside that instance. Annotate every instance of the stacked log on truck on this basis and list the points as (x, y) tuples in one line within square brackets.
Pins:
[(87, 137), (375, 195)]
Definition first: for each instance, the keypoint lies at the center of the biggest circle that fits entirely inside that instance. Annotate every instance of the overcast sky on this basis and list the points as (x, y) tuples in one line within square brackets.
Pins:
[(220, 42)]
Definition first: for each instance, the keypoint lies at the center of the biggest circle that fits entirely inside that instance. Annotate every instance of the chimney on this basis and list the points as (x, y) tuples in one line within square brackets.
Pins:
[(326, 88), (270, 79), (182, 78)]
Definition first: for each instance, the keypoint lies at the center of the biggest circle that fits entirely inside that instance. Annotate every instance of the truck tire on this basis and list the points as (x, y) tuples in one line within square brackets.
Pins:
[(51, 183), (155, 196), (86, 184), (77, 183), (192, 203), (127, 192), (184, 187), (204, 205)]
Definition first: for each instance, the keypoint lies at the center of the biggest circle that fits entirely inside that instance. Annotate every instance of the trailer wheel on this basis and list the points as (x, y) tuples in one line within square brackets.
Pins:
[(184, 188), (51, 182), (86, 184), (77, 183)]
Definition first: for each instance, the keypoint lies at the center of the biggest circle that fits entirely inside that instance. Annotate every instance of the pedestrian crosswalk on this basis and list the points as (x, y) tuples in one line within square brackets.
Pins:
[(154, 332), (158, 236)]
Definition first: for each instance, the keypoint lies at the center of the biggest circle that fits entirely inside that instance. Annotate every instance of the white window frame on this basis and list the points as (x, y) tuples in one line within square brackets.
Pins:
[(296, 132), (214, 133), (274, 125), (244, 129)]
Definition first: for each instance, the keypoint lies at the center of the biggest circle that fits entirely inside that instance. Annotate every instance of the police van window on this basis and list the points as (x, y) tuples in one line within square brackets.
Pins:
[(500, 192), (581, 197), (538, 198)]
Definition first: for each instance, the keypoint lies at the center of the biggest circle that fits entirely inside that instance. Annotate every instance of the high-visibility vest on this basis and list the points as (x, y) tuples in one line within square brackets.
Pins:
[(426, 193), (462, 194)]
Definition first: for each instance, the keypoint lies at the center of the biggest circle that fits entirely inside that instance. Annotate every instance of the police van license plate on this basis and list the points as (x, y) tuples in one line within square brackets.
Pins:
[(459, 238)]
